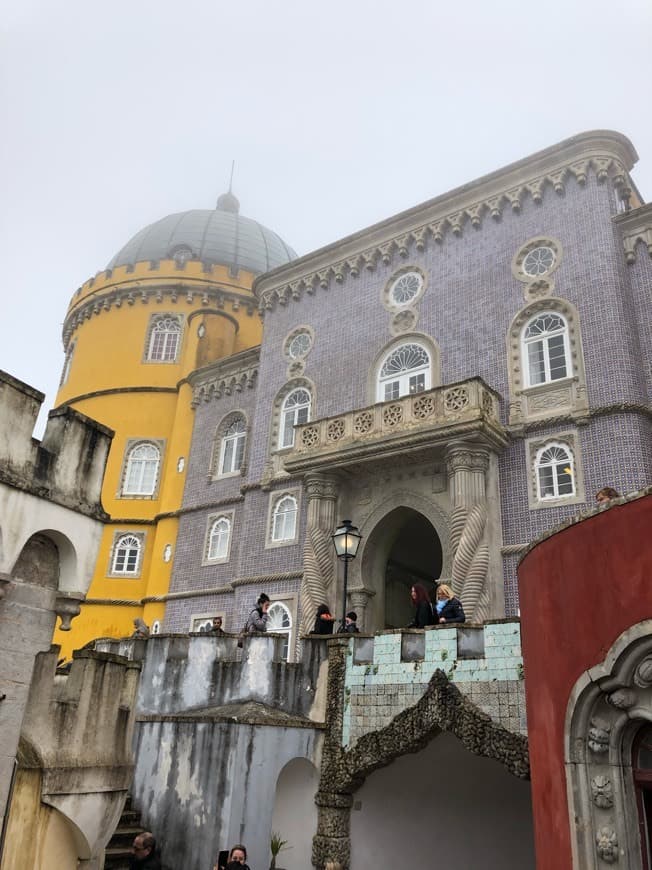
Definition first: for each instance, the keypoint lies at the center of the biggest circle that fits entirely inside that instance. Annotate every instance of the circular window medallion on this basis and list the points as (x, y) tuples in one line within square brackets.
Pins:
[(299, 346), (404, 288), (299, 343), (537, 259)]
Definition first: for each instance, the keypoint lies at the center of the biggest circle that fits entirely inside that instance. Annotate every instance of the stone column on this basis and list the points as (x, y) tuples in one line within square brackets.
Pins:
[(334, 797), (466, 466), (317, 586), (359, 602)]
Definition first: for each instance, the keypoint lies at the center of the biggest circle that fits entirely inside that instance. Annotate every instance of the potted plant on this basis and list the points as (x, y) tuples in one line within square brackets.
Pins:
[(277, 844)]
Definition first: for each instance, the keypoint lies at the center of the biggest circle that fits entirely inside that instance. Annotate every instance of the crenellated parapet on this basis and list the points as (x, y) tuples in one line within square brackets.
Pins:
[(603, 154), (76, 744), (389, 672), (67, 466), (158, 282)]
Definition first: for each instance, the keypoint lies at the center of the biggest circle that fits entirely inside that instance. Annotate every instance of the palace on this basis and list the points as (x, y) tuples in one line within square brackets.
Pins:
[(457, 380)]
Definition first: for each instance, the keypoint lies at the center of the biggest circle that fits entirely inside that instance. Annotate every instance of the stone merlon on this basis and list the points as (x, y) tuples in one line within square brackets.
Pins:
[(67, 466)]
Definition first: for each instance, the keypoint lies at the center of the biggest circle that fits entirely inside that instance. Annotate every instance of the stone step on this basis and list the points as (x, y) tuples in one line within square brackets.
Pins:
[(123, 835), (117, 858)]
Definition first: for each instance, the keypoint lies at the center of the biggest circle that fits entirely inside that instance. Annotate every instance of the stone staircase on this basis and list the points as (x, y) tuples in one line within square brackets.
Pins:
[(118, 852)]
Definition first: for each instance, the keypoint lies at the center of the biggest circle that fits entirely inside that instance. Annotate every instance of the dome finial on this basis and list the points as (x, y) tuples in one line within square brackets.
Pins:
[(227, 201)]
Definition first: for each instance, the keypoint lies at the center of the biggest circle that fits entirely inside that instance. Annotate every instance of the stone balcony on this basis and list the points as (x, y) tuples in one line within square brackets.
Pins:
[(415, 423)]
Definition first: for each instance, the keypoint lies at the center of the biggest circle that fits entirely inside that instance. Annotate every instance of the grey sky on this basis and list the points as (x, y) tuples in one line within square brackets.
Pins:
[(338, 115)]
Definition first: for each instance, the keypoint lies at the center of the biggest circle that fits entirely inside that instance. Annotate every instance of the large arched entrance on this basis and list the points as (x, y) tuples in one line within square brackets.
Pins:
[(404, 548)]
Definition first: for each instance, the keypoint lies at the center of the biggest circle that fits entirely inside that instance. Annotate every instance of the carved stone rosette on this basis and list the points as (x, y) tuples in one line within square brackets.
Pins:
[(466, 467), (318, 553)]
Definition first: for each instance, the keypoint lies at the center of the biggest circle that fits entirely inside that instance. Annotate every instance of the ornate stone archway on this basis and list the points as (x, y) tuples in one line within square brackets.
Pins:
[(442, 707), (368, 570), (607, 706)]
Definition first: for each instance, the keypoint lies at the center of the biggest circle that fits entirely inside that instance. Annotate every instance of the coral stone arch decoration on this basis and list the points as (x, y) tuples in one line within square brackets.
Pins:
[(442, 707), (608, 706)]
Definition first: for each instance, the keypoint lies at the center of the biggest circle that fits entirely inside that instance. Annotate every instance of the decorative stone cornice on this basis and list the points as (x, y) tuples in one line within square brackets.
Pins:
[(225, 377), (635, 226), (605, 153), (521, 430), (142, 292)]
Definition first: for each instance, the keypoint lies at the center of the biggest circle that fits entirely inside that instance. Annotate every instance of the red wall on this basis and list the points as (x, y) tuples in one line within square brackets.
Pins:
[(579, 590)]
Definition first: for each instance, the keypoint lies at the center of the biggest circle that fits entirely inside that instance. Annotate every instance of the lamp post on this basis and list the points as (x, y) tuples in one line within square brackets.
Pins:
[(346, 540)]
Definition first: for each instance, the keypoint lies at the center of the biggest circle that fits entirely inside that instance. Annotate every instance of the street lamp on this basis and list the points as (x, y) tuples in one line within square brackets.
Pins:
[(346, 541)]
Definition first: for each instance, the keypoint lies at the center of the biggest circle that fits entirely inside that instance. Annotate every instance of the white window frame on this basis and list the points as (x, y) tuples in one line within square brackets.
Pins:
[(224, 535), (544, 339), (288, 631), (276, 499), (139, 540), (535, 447), (133, 483), (205, 619), (169, 352), (239, 442), (292, 415), (568, 461), (404, 380)]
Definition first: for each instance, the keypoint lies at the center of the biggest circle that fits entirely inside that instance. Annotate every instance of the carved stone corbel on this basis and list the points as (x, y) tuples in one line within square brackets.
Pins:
[(67, 607)]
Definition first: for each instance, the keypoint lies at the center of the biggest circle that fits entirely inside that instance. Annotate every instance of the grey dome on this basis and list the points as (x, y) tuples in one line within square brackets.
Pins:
[(213, 236)]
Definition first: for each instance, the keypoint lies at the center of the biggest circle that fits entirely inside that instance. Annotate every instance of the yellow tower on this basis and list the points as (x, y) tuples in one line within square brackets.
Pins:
[(175, 298)]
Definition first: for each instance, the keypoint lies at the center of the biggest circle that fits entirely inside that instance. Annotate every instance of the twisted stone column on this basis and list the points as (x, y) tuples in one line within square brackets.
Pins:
[(467, 465), (318, 553)]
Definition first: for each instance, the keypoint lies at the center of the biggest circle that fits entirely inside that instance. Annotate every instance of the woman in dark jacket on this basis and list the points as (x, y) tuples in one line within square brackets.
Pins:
[(422, 609), (324, 621), (449, 608)]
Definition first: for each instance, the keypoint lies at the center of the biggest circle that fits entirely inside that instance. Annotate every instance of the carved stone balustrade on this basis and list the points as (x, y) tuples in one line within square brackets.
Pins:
[(411, 423)]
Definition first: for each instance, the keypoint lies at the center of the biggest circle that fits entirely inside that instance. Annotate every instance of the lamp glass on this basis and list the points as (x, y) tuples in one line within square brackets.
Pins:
[(346, 540)]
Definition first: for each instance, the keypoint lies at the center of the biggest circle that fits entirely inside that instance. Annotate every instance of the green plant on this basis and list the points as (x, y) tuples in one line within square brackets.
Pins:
[(276, 845)]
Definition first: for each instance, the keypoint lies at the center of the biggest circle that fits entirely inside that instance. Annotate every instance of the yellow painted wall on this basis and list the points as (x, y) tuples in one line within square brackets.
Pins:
[(110, 381), (38, 837)]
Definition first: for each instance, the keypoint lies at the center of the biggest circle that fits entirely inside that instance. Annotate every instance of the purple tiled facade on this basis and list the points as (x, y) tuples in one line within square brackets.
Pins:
[(469, 302)]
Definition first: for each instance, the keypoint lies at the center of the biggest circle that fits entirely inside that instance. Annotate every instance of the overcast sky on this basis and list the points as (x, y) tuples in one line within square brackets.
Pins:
[(337, 114)]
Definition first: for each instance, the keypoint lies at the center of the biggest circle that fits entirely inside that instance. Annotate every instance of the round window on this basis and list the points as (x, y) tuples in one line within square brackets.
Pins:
[(299, 345), (406, 288), (539, 261)]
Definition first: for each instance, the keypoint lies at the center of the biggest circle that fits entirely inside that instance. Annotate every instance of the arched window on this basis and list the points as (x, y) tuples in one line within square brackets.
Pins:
[(164, 338), (218, 539), (232, 447), (555, 472), (284, 519), (295, 410), (141, 474), (403, 372), (126, 555), (279, 621), (545, 349)]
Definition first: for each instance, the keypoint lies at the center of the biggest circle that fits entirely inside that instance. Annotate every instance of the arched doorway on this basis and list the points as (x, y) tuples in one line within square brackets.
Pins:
[(642, 771), (439, 807), (295, 812), (404, 548)]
